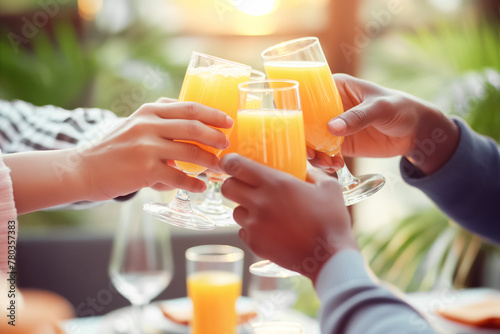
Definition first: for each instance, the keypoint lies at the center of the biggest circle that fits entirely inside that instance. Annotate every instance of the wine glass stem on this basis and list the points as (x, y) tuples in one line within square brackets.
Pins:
[(181, 201), (346, 179), (214, 195), (138, 312)]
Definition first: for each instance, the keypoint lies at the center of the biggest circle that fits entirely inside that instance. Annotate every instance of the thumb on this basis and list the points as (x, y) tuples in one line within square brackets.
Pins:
[(353, 120)]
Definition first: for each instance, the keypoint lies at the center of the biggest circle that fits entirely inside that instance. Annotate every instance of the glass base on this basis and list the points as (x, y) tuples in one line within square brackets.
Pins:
[(185, 218), (220, 214), (363, 187), (267, 268)]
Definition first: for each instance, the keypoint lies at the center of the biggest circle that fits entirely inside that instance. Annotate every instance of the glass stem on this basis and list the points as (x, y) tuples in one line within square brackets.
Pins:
[(214, 194), (181, 201), (138, 311), (346, 179)]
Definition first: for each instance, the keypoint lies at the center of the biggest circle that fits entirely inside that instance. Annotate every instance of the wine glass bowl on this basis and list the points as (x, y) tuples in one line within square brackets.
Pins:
[(141, 264), (212, 205), (303, 60), (271, 132), (213, 82)]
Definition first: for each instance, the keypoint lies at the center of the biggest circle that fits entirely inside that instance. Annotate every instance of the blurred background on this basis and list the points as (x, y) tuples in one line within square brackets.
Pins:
[(119, 54)]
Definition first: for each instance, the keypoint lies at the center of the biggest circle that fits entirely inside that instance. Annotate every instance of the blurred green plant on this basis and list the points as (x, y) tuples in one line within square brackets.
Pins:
[(457, 65), (57, 71)]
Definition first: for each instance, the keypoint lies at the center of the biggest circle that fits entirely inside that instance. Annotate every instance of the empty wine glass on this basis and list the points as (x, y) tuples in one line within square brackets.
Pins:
[(303, 60), (141, 264), (212, 206), (271, 132), (214, 82)]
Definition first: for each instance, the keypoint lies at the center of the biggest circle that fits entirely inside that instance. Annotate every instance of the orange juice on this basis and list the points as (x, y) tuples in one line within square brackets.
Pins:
[(274, 138), (214, 294), (215, 87), (319, 97)]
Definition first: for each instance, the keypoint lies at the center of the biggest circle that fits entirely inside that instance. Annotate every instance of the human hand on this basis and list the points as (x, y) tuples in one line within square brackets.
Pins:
[(382, 122), (139, 152), (298, 225)]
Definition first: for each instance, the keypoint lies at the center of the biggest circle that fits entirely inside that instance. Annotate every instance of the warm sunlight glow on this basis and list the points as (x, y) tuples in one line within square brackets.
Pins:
[(88, 9), (256, 7)]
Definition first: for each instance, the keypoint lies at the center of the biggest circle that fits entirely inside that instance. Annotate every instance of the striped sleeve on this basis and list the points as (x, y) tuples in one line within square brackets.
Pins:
[(25, 127)]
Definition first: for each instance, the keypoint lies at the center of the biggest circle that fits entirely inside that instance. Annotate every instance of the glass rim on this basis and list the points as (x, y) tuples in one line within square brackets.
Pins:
[(259, 73), (214, 253), (234, 63), (314, 40), (244, 85)]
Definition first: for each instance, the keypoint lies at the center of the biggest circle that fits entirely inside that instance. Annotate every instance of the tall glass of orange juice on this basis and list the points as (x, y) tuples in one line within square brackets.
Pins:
[(213, 82), (212, 205), (303, 60), (214, 280), (271, 132)]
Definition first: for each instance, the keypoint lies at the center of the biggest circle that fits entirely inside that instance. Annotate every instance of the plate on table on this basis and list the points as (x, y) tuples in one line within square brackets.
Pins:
[(167, 317), (432, 303)]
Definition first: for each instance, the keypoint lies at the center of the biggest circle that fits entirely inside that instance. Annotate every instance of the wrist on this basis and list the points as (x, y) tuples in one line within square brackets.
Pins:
[(331, 246), (435, 141)]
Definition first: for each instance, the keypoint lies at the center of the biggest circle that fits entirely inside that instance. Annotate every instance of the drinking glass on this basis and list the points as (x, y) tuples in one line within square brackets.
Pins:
[(212, 206), (213, 82), (277, 327), (141, 264), (303, 60), (214, 280), (271, 132)]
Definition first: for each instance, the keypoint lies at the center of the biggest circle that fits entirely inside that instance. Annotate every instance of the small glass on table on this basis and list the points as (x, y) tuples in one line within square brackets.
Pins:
[(214, 280), (213, 82)]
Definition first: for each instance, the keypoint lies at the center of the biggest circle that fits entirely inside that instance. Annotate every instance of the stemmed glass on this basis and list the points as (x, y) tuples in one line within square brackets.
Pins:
[(212, 206), (141, 264), (271, 132), (213, 82), (303, 60)]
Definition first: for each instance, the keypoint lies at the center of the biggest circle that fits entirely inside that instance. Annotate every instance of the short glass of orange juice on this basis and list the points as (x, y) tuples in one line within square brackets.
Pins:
[(214, 280), (213, 82)]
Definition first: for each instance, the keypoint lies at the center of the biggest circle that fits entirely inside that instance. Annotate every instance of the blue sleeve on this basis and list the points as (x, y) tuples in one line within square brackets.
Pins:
[(352, 302), (467, 187)]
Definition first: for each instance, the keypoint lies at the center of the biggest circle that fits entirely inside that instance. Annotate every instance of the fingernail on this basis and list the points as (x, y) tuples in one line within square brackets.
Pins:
[(229, 120), (227, 143), (337, 125)]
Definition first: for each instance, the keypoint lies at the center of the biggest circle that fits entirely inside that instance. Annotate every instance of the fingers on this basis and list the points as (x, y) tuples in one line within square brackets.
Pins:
[(193, 130), (247, 170), (187, 152), (238, 191), (170, 176), (166, 100), (190, 111), (324, 161)]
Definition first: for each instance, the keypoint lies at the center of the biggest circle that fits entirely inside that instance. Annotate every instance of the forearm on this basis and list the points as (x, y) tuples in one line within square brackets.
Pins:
[(467, 186), (45, 178), (353, 303)]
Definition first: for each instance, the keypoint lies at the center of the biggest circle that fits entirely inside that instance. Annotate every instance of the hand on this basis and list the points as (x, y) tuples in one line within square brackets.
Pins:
[(382, 122), (139, 153), (296, 224)]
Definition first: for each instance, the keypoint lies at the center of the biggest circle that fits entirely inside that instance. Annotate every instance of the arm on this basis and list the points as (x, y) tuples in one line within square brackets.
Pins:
[(305, 227), (26, 127), (131, 156), (467, 186), (455, 167)]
